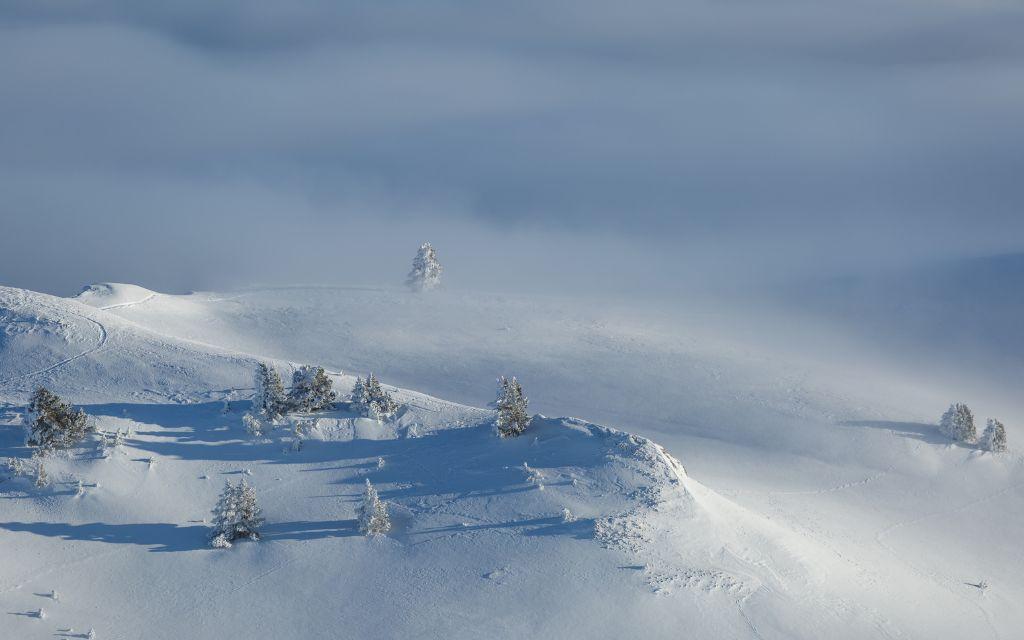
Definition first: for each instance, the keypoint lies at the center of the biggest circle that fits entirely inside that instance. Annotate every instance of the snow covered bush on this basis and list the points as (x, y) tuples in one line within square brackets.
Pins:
[(513, 418), (16, 467), (426, 270), (994, 438), (371, 400), (53, 423), (311, 390), (269, 400), (373, 513), (113, 442), (958, 423), (253, 425), (236, 515)]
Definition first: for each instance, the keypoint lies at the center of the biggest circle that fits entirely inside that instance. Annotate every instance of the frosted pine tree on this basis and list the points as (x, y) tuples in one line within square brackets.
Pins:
[(236, 515), (371, 400), (958, 423), (269, 400), (513, 418), (53, 423), (373, 513), (426, 270), (358, 396), (311, 390), (994, 438)]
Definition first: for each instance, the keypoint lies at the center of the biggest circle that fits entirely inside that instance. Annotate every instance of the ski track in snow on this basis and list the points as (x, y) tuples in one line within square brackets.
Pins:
[(938, 580), (103, 335), (129, 304), (53, 367)]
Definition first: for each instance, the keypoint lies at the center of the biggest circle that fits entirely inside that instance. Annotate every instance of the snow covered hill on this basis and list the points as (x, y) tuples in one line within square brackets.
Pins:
[(818, 499)]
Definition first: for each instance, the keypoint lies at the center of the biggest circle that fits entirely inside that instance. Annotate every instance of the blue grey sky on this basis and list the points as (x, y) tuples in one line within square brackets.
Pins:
[(193, 144)]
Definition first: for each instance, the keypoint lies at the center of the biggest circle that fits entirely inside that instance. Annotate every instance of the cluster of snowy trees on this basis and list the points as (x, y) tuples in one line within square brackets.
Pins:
[(236, 515), (371, 400), (52, 423), (311, 390), (958, 423)]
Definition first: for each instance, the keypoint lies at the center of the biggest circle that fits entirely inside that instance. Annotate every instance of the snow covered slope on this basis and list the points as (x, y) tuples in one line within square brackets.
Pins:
[(826, 505)]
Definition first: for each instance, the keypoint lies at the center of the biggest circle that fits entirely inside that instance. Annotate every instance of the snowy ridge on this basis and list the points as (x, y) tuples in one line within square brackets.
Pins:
[(554, 525)]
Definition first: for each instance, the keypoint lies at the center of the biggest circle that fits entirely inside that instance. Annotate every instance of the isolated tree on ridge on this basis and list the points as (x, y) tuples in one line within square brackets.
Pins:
[(53, 423), (269, 400), (994, 437), (426, 270), (373, 513), (513, 418), (312, 389), (958, 423)]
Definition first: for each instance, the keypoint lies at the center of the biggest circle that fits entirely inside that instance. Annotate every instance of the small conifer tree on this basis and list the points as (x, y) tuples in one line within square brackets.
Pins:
[(269, 400), (373, 513), (994, 437), (513, 418), (426, 270), (53, 423), (958, 423)]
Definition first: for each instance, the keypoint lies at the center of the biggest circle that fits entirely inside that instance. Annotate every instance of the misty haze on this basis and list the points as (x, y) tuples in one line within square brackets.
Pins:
[(478, 320)]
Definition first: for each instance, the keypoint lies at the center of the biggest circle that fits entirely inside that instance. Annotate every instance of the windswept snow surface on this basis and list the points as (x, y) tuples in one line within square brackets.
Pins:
[(818, 499)]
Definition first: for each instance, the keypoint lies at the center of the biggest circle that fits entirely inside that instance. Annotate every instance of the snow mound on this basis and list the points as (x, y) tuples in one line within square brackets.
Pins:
[(88, 355), (112, 295)]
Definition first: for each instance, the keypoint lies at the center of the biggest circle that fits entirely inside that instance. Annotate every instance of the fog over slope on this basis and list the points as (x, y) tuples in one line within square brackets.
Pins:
[(579, 144)]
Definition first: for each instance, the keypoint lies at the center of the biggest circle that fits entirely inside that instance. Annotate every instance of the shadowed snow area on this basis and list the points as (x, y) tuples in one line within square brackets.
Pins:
[(818, 500)]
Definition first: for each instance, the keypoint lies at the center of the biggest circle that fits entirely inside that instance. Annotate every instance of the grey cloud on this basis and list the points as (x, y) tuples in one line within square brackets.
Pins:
[(785, 136)]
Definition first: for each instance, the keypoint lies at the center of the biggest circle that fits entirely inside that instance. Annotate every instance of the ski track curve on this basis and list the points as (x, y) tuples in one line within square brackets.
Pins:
[(103, 335), (100, 343)]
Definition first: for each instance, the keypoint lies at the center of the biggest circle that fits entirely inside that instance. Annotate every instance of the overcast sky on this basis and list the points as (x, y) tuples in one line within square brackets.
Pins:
[(185, 145)]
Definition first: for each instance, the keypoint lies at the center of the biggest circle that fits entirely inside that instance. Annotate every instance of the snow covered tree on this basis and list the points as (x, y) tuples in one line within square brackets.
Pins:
[(253, 425), (53, 423), (994, 438), (311, 389), (373, 513), (236, 515), (371, 400), (270, 400), (958, 423), (513, 418), (426, 270)]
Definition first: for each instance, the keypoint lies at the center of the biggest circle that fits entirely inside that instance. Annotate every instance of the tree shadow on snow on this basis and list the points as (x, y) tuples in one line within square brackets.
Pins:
[(582, 529), (915, 430), (447, 464), (159, 537), (310, 530)]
